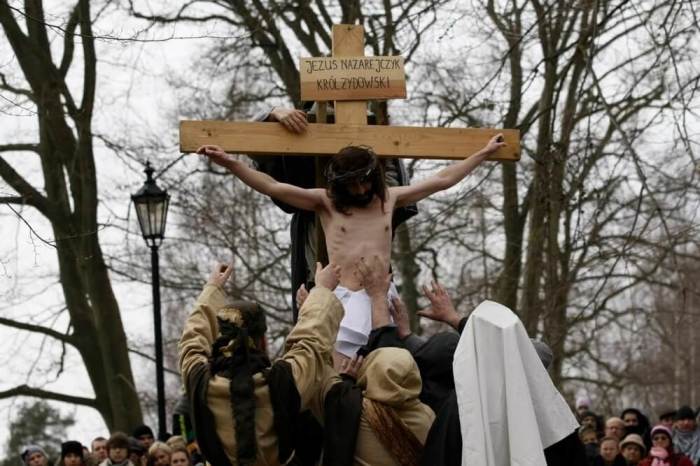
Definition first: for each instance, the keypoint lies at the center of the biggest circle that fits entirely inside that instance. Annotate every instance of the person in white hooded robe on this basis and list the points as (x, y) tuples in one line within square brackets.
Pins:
[(510, 412)]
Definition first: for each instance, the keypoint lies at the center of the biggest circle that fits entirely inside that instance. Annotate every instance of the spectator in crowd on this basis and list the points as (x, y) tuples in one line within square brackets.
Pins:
[(588, 435), (583, 404), (591, 419), (137, 453), (99, 449), (661, 453), (686, 435), (176, 442), (609, 453), (615, 427), (667, 417), (180, 457), (589, 439), (72, 454), (633, 449), (117, 450), (635, 422), (34, 455), (144, 434), (159, 454)]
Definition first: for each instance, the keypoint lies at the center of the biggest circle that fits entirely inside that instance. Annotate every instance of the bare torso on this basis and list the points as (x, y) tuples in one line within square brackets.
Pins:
[(365, 232)]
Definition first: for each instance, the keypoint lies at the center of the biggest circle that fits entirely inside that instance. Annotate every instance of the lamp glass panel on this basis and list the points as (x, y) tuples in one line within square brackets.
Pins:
[(164, 214), (142, 212), (155, 217)]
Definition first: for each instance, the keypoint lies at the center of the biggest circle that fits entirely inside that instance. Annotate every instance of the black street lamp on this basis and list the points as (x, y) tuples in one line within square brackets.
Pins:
[(152, 209)]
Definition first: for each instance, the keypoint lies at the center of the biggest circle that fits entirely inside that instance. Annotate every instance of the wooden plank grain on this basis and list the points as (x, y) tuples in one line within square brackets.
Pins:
[(349, 41), (327, 139)]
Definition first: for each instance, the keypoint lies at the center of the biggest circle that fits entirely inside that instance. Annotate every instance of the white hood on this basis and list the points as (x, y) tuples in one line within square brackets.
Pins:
[(509, 409)]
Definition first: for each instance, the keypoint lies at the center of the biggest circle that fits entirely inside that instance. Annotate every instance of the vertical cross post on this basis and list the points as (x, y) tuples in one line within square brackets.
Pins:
[(348, 41)]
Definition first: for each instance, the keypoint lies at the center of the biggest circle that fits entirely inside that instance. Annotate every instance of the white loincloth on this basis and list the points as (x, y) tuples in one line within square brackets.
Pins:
[(357, 322)]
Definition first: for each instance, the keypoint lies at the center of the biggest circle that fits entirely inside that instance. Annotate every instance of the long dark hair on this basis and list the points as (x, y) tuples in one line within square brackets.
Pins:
[(354, 164), (239, 362)]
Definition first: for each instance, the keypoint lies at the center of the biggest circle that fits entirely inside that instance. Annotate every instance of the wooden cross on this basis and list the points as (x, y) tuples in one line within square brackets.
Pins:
[(350, 126)]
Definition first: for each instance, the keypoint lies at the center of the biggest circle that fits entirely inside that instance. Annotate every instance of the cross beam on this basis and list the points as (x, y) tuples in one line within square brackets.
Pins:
[(327, 139)]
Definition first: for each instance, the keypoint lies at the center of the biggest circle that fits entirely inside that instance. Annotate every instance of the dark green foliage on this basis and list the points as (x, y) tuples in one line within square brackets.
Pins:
[(36, 423)]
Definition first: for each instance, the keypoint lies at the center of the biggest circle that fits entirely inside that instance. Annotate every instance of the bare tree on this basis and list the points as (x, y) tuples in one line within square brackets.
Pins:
[(591, 213), (68, 200)]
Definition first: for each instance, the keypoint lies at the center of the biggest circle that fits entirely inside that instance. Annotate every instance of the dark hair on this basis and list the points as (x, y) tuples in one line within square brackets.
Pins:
[(253, 316), (236, 356), (118, 440), (354, 164)]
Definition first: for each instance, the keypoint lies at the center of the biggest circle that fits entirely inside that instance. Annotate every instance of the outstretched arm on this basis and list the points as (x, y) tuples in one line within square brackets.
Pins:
[(307, 199), (201, 327), (445, 178)]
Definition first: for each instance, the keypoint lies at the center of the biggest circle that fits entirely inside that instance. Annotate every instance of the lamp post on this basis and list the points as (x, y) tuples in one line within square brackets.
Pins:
[(152, 209)]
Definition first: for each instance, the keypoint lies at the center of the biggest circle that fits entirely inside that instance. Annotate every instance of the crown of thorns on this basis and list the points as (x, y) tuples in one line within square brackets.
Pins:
[(359, 174)]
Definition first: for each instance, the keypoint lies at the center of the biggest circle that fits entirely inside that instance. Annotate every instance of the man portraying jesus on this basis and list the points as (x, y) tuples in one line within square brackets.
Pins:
[(355, 212)]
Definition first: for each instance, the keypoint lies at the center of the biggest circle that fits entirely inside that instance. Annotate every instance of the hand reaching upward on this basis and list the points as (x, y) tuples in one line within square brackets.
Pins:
[(351, 367), (400, 314), (327, 276), (220, 274), (301, 296), (441, 307)]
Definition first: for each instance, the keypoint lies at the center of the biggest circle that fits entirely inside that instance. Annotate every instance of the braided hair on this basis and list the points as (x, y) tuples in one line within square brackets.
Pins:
[(236, 357)]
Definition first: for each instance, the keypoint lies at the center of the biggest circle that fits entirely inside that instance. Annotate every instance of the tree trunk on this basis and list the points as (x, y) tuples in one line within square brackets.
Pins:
[(70, 205)]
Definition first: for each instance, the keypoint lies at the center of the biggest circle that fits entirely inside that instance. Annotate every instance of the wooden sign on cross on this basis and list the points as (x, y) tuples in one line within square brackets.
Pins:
[(350, 127)]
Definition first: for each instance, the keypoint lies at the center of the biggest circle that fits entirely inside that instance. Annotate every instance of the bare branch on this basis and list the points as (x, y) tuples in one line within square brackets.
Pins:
[(36, 328), (20, 147), (25, 390)]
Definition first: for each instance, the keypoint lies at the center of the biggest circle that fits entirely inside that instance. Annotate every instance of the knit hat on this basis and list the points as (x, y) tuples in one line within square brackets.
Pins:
[(636, 440), (71, 446), (142, 430), (583, 400), (661, 428), (29, 450), (685, 412)]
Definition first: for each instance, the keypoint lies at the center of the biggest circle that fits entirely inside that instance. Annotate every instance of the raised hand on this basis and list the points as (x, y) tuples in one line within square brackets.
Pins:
[(400, 314), (441, 307), (494, 144), (374, 276), (293, 120), (301, 296), (220, 274), (327, 276), (216, 154), (351, 367)]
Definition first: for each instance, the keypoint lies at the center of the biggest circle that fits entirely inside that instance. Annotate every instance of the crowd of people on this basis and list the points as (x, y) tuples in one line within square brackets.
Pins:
[(627, 440), (631, 439), (120, 449)]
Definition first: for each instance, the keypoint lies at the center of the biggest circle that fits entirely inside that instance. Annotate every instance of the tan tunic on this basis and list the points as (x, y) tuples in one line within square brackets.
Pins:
[(307, 350), (389, 376)]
